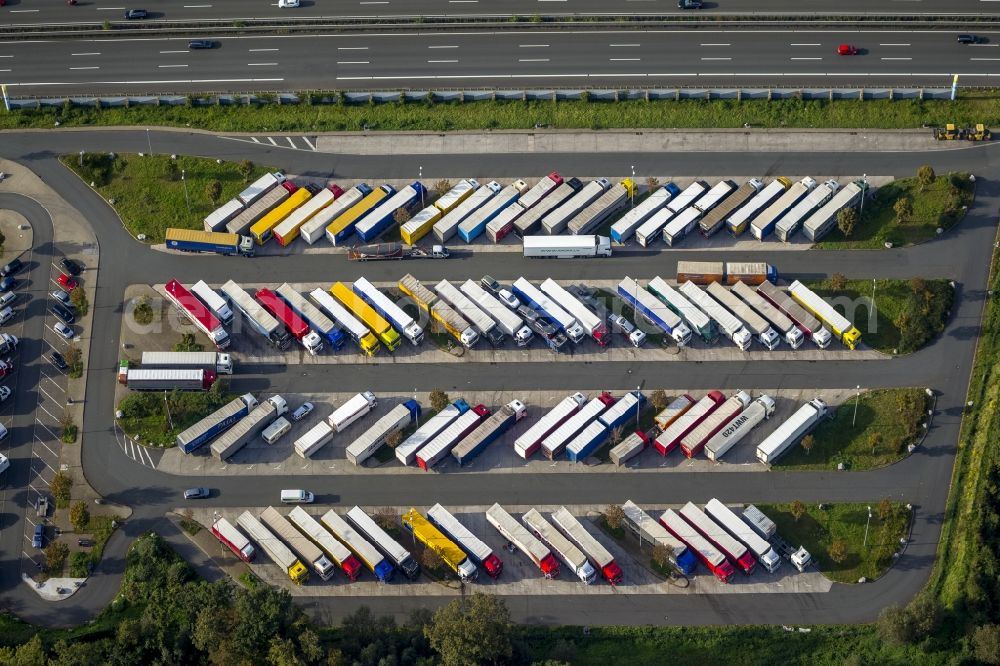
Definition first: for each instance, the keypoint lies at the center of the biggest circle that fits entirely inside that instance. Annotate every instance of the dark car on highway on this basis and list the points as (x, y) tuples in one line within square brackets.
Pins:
[(131, 14), (12, 268), (970, 39), (70, 266), (201, 44), (689, 4)]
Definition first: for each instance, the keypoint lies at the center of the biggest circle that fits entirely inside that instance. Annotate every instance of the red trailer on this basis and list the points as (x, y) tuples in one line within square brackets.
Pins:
[(296, 325), (232, 537), (709, 555), (197, 312), (687, 422)]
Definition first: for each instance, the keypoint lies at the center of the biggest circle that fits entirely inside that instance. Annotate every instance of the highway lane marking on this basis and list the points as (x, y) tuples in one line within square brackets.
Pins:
[(520, 46), (4, 70), (374, 2), (459, 2), (893, 44), (984, 58), (624, 45), (437, 61), (533, 60), (24, 11), (897, 58), (805, 58), (168, 66), (353, 62), (716, 58), (84, 67), (352, 48), (261, 64), (92, 53), (261, 50), (6, 56), (109, 9), (442, 47), (805, 45), (716, 45), (196, 6), (624, 59), (174, 51)]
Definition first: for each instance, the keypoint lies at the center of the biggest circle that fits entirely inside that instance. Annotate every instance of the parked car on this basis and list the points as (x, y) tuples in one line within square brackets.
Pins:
[(38, 538), (85, 543), (508, 299), (132, 14), (7, 283), (70, 266), (63, 330), (12, 268), (62, 297), (3, 431), (58, 360), (489, 284), (63, 312), (6, 314), (970, 39), (847, 50), (4, 393), (202, 44), (66, 282), (196, 493), (302, 412)]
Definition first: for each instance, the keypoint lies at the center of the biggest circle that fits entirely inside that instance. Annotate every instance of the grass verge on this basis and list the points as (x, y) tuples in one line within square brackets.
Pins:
[(887, 421), (148, 192), (157, 420), (82, 562), (938, 205), (818, 529)]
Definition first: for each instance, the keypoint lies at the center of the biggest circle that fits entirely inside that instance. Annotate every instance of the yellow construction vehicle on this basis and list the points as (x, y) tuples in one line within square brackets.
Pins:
[(950, 132), (979, 133)]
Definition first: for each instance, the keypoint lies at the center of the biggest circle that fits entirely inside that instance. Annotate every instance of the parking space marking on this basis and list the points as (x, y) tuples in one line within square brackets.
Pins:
[(47, 395), (47, 448), (54, 418), (272, 141), (309, 143), (290, 142), (255, 139)]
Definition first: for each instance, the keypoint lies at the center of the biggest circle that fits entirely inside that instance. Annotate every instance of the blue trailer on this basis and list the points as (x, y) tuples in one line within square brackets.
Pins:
[(475, 224), (374, 223), (628, 407), (319, 322), (587, 441), (487, 432), (215, 423), (654, 310)]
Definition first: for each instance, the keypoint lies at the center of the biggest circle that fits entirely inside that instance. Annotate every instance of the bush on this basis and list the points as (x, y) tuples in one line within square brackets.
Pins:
[(55, 557), (143, 312), (439, 400), (79, 564), (79, 516), (61, 486), (79, 299), (188, 343)]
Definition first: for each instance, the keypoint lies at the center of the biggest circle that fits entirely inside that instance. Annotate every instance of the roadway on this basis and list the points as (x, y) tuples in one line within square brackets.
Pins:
[(922, 479), (55, 12), (715, 58)]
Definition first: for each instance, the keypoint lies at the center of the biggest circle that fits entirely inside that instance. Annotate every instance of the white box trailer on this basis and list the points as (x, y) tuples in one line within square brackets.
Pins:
[(793, 219), (547, 305), (556, 221), (652, 228), (219, 217), (474, 225), (699, 322), (593, 325), (279, 553), (823, 220), (254, 313), (398, 418), (734, 431), (730, 326), (314, 228), (600, 210), (336, 551), (624, 228), (531, 439), (540, 190), (718, 536), (714, 219), (483, 323), (764, 223), (205, 360), (568, 553), (261, 186), (629, 448), (509, 323), (291, 226), (781, 322), (566, 247), (693, 442), (406, 452), (402, 322), (306, 549), (519, 535), (740, 219), (351, 324), (806, 322), (654, 310), (465, 539), (359, 545), (756, 324), (555, 442), (446, 227), (217, 304), (529, 222), (314, 439), (715, 196), (688, 197), (735, 526), (352, 410), (461, 191), (649, 531), (264, 204), (681, 225), (598, 555), (249, 427), (791, 431), (503, 223), (442, 444), (391, 548)]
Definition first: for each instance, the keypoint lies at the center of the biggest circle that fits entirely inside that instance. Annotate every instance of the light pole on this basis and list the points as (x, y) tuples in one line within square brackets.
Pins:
[(865, 544), (149, 142), (864, 192), (421, 179), (637, 406), (632, 191), (184, 183), (418, 412), (856, 398), (81, 158)]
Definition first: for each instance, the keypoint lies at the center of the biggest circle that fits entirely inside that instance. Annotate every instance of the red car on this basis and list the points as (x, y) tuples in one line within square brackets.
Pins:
[(66, 282), (847, 49)]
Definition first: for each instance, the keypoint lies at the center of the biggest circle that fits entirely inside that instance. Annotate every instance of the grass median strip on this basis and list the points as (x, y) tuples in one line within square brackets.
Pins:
[(156, 418)]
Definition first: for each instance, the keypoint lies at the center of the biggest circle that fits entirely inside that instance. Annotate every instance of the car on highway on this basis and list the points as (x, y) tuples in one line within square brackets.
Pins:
[(133, 14), (196, 493), (970, 39), (59, 360), (38, 536), (63, 330), (508, 299), (70, 266), (689, 4), (195, 44), (12, 268), (62, 297), (66, 282), (7, 283), (288, 3), (63, 312), (847, 50), (302, 412)]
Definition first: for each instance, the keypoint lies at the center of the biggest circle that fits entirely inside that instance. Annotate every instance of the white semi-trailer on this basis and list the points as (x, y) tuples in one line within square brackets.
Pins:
[(568, 553), (740, 219), (791, 431), (733, 524), (807, 323), (315, 227), (593, 325), (623, 229), (213, 301), (306, 549), (764, 223), (543, 303), (518, 534), (715, 196), (406, 452), (249, 427), (530, 222), (729, 325), (509, 323), (592, 548), (734, 431), (531, 439), (715, 219), (484, 324), (446, 227), (403, 322), (699, 322), (781, 322), (604, 207), (398, 418), (566, 247), (556, 221), (823, 220), (793, 219), (756, 324), (204, 360)]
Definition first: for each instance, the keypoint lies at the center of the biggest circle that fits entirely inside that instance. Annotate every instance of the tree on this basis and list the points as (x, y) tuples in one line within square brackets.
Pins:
[(394, 439), (387, 518), (246, 168), (652, 183), (143, 311), (55, 557), (61, 485), (884, 508), (401, 216), (847, 219), (661, 556), (925, 614), (918, 285), (188, 343), (78, 297), (79, 516), (616, 434), (808, 442), (31, 653), (798, 509), (926, 176), (838, 281), (439, 400), (473, 630), (903, 209), (894, 626), (614, 515), (282, 652), (838, 551), (986, 644), (213, 191), (430, 560), (658, 399), (310, 645), (442, 187)]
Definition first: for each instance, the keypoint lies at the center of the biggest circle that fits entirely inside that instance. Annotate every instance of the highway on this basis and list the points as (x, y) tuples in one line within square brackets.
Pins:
[(714, 58), (19, 12), (921, 479)]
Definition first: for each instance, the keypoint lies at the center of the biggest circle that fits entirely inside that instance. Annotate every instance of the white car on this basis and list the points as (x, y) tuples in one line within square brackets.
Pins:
[(4, 393), (63, 330), (288, 3), (303, 411), (508, 299), (61, 296)]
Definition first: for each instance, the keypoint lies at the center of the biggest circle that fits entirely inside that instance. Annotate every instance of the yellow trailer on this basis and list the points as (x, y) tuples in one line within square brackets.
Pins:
[(367, 314), (263, 229)]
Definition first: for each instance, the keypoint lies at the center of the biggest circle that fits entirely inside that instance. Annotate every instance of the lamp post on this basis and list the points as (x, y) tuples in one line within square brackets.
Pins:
[(149, 142), (632, 191), (865, 544), (184, 183), (421, 179), (81, 158), (864, 191), (857, 397), (637, 406)]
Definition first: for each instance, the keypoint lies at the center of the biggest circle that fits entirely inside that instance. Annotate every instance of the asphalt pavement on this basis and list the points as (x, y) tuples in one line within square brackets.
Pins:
[(921, 479)]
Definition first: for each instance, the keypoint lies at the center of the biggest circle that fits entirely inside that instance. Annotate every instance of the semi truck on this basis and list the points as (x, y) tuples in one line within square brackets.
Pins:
[(196, 311), (385, 543), (593, 435), (531, 439), (314, 228), (419, 225), (215, 303), (556, 441), (764, 223), (655, 311), (843, 329), (367, 342), (741, 218), (206, 360), (488, 431), (519, 535), (647, 530), (215, 423), (501, 225), (313, 439), (791, 431), (572, 556), (372, 225), (352, 410), (367, 314), (288, 229), (628, 448), (729, 436), (279, 553), (542, 326), (306, 549), (293, 323), (781, 322), (366, 552), (688, 421), (317, 321), (756, 324), (766, 528), (406, 452), (697, 320), (398, 418), (673, 411), (606, 205), (566, 247), (688, 197), (725, 322), (235, 438), (592, 325), (692, 443), (431, 537), (540, 190), (808, 324), (395, 315), (506, 320), (227, 533), (727, 272), (254, 212), (710, 556), (626, 408), (793, 219), (335, 550), (191, 240), (440, 311), (652, 228), (254, 314), (169, 379), (473, 226), (680, 225), (715, 219), (598, 555), (540, 302), (263, 229), (461, 191), (732, 523), (822, 221), (715, 196), (442, 443), (341, 228), (555, 222), (624, 229), (483, 324), (531, 221), (731, 547), (260, 187), (478, 552), (446, 227)]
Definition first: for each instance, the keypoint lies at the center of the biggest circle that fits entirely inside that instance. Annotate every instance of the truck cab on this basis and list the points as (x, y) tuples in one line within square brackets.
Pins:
[(247, 248), (439, 252)]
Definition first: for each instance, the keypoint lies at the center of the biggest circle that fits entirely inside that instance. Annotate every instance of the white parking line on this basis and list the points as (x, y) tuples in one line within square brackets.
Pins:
[(290, 142), (74, 68), (174, 51), (716, 58), (437, 61), (529, 46), (151, 463), (260, 50), (83, 54), (46, 447), (272, 141), (44, 463), (353, 62), (255, 140), (54, 436), (352, 48), (309, 143), (131, 446), (262, 64), (893, 44), (442, 47), (55, 418), (897, 58), (170, 66), (533, 60)]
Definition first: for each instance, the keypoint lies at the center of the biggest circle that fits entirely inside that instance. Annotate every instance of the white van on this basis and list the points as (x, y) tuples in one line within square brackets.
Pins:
[(6, 315), (273, 432), (4, 463), (8, 298), (297, 497)]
